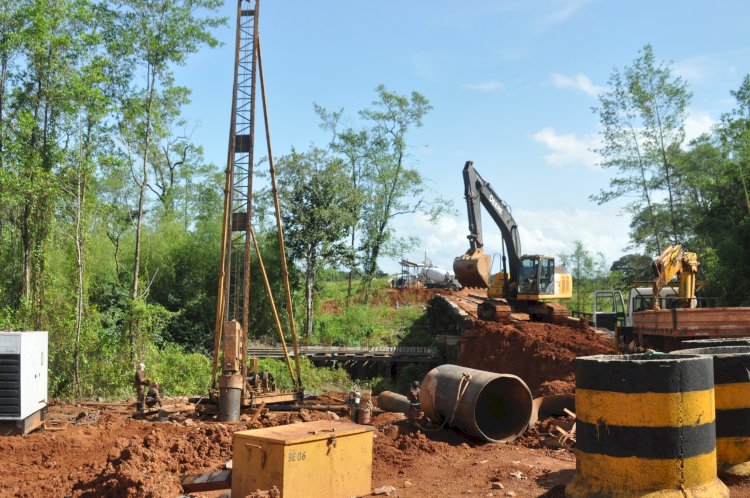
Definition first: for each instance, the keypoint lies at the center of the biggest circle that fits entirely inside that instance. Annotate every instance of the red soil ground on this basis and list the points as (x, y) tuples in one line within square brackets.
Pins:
[(541, 354), (105, 452), (117, 456)]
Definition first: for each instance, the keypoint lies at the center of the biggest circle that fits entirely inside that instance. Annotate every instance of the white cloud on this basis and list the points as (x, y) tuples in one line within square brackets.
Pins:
[(703, 68), (568, 149), (696, 124), (547, 231), (486, 86), (562, 11), (578, 82)]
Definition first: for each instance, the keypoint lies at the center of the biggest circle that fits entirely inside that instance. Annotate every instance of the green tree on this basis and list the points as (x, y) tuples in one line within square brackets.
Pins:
[(631, 268), (154, 36), (588, 274), (376, 153), (351, 145), (643, 120), (320, 207)]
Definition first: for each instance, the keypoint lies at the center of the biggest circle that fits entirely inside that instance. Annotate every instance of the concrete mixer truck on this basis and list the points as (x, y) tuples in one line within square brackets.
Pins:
[(434, 277), (528, 282)]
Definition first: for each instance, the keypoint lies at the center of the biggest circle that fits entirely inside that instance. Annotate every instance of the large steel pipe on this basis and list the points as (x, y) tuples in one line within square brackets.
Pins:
[(488, 405), (393, 402)]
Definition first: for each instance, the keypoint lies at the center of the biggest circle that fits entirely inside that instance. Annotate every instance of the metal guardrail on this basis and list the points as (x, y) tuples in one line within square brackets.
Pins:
[(343, 352)]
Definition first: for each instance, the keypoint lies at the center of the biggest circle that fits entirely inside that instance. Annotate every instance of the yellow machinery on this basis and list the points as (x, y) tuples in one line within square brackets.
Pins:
[(672, 261), (321, 459), (528, 280)]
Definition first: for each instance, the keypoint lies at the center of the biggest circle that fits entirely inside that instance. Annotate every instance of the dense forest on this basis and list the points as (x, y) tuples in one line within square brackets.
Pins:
[(110, 215)]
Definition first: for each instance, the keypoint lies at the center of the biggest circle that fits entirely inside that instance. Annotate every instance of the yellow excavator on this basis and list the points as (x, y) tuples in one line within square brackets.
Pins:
[(528, 282)]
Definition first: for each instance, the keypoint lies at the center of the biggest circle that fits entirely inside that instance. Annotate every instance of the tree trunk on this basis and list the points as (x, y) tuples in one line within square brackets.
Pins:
[(26, 241), (309, 283), (351, 274), (141, 202), (80, 200), (3, 76)]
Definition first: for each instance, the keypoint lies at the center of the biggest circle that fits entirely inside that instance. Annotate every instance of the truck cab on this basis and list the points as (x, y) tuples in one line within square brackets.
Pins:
[(610, 308)]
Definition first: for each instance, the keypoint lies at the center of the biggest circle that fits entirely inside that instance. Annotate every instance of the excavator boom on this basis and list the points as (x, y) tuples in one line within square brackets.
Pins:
[(473, 268)]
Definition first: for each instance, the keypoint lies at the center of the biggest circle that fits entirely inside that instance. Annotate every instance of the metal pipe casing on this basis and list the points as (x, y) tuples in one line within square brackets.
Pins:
[(230, 397), (491, 406), (393, 402)]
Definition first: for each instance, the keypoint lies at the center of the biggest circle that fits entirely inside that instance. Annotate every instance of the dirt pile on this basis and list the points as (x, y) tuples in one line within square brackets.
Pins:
[(150, 466), (541, 354)]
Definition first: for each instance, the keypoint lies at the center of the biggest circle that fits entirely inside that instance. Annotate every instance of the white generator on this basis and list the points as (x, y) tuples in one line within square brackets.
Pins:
[(23, 381)]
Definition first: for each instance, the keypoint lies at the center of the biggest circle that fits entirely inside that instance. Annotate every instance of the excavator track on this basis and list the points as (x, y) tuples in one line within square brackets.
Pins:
[(556, 313), (494, 310)]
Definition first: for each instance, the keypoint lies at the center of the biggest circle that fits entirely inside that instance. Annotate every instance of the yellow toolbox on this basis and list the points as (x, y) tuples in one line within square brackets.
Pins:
[(321, 459)]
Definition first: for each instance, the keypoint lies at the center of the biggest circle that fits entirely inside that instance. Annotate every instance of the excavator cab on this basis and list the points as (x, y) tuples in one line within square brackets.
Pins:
[(536, 275)]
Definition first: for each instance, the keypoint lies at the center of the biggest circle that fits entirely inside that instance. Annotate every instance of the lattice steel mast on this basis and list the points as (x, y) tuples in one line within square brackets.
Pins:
[(234, 276)]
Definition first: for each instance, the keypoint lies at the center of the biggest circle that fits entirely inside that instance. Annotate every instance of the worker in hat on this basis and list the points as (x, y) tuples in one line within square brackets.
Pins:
[(140, 384)]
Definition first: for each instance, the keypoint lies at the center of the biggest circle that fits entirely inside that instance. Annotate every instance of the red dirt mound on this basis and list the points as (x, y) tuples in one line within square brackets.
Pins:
[(147, 466), (539, 353)]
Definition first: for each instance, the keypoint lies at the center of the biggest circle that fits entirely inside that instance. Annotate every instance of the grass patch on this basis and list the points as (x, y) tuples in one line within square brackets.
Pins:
[(315, 380)]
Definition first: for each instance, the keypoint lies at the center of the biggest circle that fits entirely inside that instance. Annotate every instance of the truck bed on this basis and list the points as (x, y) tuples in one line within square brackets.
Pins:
[(695, 322)]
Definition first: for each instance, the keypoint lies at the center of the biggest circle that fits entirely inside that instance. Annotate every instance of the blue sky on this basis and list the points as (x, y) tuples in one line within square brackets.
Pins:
[(512, 84)]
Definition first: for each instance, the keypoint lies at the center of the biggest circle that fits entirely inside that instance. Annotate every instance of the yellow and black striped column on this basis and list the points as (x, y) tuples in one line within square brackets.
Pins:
[(712, 343), (645, 427), (732, 388)]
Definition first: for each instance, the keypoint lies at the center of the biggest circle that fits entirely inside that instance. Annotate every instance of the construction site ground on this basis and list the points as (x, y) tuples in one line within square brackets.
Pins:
[(105, 452), (99, 449)]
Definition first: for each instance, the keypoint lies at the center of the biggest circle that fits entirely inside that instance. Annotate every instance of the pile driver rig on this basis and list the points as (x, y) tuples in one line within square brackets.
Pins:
[(236, 383)]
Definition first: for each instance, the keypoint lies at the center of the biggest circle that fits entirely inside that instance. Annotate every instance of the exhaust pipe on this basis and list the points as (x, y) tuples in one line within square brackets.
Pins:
[(491, 406)]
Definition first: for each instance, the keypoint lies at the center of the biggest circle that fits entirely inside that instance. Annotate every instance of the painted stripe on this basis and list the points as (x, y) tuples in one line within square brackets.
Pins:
[(646, 442), (645, 409), (733, 423), (733, 449), (731, 363), (609, 474), (731, 396), (642, 373), (733, 368)]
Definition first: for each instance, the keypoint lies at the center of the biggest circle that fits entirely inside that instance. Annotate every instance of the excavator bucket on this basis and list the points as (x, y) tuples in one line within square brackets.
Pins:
[(472, 269)]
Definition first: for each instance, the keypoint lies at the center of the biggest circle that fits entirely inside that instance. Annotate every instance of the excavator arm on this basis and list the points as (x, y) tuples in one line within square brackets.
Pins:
[(672, 261), (472, 269)]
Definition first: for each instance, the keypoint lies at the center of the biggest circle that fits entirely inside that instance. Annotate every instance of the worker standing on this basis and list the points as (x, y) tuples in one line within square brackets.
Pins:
[(140, 383), (415, 408)]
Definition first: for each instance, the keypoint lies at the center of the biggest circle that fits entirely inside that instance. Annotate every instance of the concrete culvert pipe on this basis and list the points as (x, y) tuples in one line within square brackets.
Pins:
[(645, 427), (491, 406), (732, 397), (712, 343)]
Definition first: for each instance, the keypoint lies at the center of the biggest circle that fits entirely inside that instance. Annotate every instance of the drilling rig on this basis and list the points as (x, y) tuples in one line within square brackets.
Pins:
[(236, 383)]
